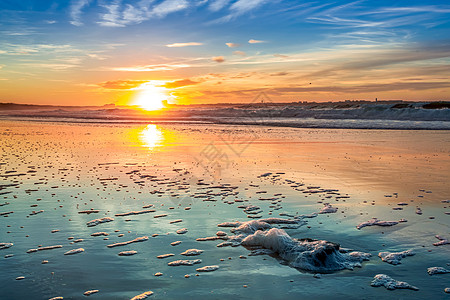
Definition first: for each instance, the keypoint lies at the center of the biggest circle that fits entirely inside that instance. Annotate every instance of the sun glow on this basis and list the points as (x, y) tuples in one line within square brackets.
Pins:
[(151, 136), (152, 95)]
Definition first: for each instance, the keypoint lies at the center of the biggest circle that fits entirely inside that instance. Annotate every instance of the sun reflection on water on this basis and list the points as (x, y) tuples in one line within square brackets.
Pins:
[(151, 137)]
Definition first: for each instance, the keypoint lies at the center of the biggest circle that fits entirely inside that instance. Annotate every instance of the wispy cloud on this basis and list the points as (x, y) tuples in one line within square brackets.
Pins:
[(122, 84), (232, 45), (355, 15), (52, 66), (238, 8), (151, 68), (113, 17), (240, 53), (120, 15), (243, 6), (169, 6), (177, 45), (366, 88), (76, 10), (217, 5), (252, 41), (414, 9)]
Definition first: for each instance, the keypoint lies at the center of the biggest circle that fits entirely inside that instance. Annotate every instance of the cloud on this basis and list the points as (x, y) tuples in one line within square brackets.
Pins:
[(369, 60), (280, 55), (252, 41), (241, 53), (113, 17), (232, 45), (243, 6), (238, 8), (53, 66), (279, 74), (367, 88), (122, 84), (218, 5), (218, 59), (151, 68), (177, 45), (355, 15), (75, 11), (416, 9), (180, 83), (169, 6), (119, 15)]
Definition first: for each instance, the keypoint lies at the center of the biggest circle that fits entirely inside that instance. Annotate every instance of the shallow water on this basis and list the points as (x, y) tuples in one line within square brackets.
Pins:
[(116, 168)]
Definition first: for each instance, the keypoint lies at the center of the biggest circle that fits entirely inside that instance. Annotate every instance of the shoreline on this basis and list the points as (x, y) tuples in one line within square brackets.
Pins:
[(51, 119)]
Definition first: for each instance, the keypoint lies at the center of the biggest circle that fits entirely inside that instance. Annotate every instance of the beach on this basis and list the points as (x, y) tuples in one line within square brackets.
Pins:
[(147, 186)]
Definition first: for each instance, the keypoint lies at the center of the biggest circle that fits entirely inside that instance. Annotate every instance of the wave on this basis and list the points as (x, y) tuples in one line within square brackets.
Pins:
[(370, 115)]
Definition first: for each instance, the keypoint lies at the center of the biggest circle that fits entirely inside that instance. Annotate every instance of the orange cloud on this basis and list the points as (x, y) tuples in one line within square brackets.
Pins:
[(122, 84), (180, 83), (151, 68), (241, 53), (232, 45), (218, 59), (252, 41)]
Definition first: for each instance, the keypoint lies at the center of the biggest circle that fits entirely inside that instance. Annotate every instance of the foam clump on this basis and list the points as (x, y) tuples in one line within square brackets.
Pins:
[(390, 283), (182, 231), (328, 209), (184, 262), (192, 252), (375, 221), (142, 296), (88, 293), (394, 258), (5, 245), (305, 254), (95, 222), (229, 224), (165, 255), (437, 270), (100, 234), (127, 253), (44, 248), (136, 240), (442, 241), (207, 269), (74, 251), (132, 213), (252, 209)]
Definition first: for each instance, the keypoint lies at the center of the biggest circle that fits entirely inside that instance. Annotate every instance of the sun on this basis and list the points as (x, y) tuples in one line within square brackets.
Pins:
[(152, 95)]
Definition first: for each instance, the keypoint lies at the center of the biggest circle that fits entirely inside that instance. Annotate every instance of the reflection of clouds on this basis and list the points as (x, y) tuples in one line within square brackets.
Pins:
[(151, 136)]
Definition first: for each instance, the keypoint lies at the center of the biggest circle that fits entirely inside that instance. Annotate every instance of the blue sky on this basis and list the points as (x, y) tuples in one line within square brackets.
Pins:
[(222, 50)]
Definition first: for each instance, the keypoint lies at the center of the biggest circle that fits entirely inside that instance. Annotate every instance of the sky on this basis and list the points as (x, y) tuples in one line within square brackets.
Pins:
[(96, 52)]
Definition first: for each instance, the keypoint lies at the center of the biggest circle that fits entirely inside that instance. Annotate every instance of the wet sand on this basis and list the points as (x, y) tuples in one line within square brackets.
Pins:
[(176, 183)]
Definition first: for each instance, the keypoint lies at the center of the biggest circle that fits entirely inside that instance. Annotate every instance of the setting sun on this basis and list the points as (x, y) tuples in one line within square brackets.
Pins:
[(152, 95)]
